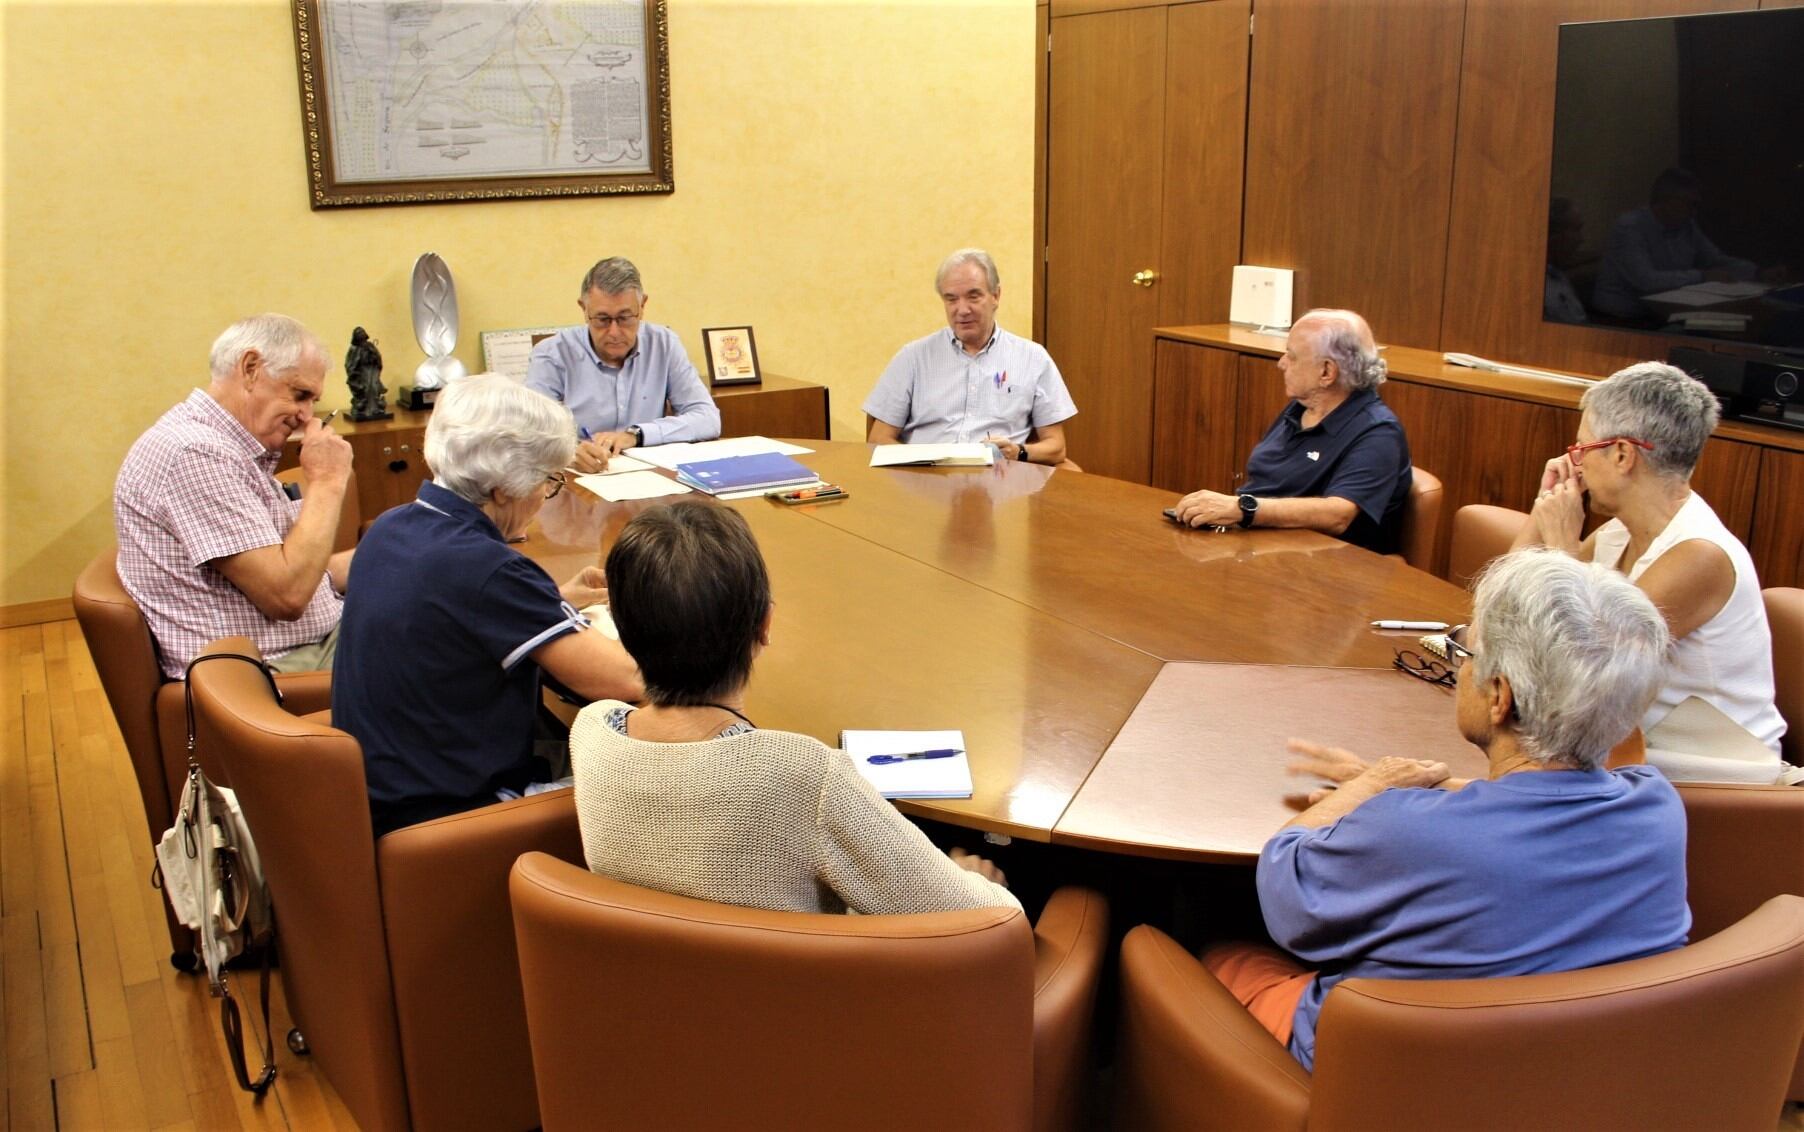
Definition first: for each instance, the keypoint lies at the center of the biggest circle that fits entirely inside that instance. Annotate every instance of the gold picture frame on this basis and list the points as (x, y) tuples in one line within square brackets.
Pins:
[(599, 97), (732, 355)]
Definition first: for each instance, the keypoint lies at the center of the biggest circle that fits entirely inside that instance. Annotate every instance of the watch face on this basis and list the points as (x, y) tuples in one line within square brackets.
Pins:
[(1249, 503)]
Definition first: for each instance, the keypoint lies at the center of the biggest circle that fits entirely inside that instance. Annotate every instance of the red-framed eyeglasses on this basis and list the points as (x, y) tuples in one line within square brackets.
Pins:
[(1576, 452)]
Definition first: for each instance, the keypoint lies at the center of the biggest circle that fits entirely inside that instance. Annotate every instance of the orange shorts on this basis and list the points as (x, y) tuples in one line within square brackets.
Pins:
[(1268, 982)]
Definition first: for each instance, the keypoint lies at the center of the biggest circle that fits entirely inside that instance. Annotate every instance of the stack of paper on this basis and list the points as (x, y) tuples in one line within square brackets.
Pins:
[(670, 455), (631, 485), (948, 777), (942, 455), (618, 464)]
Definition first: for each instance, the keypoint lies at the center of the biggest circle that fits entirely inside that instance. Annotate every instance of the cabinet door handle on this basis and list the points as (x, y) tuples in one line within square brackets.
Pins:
[(404, 448), (1145, 278), (388, 450)]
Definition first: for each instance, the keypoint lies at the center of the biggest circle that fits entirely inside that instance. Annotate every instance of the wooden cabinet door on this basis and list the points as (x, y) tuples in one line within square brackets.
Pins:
[(1105, 133), (1195, 390), (1778, 546)]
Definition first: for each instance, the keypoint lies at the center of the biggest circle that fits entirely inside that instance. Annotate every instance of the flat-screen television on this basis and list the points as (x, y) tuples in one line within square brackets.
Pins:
[(1676, 201)]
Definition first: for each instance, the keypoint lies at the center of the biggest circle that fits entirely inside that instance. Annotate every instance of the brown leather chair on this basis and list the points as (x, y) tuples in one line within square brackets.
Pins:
[(1421, 519), (1699, 1037), (397, 956), (1481, 532), (1785, 613), (1744, 845), (148, 706), (650, 1010)]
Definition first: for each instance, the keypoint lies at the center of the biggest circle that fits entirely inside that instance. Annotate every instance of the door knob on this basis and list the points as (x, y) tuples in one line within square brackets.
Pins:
[(1145, 278)]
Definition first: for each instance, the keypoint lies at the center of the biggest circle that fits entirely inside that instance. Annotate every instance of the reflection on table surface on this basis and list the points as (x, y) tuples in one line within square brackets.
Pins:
[(1033, 609)]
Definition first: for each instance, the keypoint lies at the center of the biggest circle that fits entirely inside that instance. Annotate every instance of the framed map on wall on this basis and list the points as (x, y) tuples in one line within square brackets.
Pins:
[(417, 101)]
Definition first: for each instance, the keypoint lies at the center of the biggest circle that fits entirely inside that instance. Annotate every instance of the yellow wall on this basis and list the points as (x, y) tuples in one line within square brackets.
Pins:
[(826, 156)]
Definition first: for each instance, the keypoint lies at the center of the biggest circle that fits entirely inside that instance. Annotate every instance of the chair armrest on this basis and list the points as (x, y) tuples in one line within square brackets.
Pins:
[(1070, 940), (1189, 1055), (304, 693)]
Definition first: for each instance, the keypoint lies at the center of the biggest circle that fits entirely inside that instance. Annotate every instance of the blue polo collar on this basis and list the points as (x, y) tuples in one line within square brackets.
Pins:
[(1336, 422), (454, 506)]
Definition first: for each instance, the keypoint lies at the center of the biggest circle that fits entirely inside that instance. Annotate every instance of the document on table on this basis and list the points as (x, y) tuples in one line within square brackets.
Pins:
[(618, 464), (943, 455), (602, 618), (670, 455), (631, 485), (948, 777)]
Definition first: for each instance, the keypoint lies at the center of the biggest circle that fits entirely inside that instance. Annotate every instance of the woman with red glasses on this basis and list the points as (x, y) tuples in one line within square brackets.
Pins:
[(1638, 440)]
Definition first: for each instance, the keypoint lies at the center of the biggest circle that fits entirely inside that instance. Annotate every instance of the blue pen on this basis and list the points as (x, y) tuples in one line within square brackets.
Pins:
[(583, 433), (940, 753)]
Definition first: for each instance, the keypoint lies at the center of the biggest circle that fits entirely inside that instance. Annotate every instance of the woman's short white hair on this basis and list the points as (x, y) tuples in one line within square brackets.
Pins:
[(489, 432), (282, 342), (1583, 648), (1658, 403)]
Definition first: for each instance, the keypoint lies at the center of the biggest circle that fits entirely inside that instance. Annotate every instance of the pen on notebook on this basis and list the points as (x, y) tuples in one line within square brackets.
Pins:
[(939, 753), (1423, 626)]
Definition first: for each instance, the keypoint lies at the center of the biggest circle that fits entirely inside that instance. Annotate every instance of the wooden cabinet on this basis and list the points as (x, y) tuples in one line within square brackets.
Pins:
[(1485, 436)]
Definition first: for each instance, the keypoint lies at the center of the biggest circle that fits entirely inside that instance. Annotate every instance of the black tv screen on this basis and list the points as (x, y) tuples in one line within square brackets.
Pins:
[(1676, 202)]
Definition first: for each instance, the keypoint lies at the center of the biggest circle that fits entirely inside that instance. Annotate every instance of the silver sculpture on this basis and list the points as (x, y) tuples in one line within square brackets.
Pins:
[(435, 323)]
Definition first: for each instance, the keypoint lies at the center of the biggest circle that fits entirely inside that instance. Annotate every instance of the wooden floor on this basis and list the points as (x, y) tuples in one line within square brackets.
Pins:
[(100, 1031)]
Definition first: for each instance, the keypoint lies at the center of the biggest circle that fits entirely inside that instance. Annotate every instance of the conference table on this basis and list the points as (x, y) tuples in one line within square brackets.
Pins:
[(1098, 658)]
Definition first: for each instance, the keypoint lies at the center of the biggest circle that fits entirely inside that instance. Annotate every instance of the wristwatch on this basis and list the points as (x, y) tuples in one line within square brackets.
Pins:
[(1021, 452), (1249, 507), (638, 434)]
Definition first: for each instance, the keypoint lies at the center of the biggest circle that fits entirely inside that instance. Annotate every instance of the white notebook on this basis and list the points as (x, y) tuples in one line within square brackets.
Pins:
[(941, 455), (917, 778)]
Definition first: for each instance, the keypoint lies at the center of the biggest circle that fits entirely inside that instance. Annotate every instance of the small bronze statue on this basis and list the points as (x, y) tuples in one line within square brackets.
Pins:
[(363, 372)]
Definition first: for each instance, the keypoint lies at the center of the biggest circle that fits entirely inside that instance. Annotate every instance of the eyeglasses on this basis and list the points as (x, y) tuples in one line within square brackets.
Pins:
[(1576, 452), (557, 482), (624, 322), (1432, 669)]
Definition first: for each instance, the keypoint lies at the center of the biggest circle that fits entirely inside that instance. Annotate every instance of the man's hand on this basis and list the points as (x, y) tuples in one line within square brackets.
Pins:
[(589, 586), (614, 443), (325, 455), (1009, 449), (591, 456), (1209, 508), (1559, 516), (971, 862)]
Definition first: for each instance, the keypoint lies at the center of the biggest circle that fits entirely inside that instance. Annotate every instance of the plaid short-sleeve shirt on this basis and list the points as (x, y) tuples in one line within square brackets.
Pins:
[(197, 486)]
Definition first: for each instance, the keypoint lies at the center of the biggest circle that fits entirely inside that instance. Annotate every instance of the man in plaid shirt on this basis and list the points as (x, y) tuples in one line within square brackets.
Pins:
[(209, 544)]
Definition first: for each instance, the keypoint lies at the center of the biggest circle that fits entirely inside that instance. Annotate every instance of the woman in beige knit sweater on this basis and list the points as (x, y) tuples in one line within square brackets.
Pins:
[(686, 795)]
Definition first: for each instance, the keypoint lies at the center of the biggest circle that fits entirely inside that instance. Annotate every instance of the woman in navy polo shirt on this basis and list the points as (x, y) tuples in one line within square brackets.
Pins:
[(446, 626)]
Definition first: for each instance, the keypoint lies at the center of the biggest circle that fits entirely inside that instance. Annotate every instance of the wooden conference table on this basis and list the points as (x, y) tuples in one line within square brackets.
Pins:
[(1034, 609)]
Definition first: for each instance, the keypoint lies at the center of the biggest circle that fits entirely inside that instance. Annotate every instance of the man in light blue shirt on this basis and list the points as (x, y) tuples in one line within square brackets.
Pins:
[(975, 381), (626, 382)]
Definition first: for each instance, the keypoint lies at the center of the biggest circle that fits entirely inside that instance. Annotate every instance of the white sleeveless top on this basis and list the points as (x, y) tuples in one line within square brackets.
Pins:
[(1727, 661)]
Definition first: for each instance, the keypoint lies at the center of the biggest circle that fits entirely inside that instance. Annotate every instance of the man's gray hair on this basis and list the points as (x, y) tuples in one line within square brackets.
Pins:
[(489, 432), (1583, 648), (1339, 339), (1660, 404), (611, 276), (968, 255), (282, 342)]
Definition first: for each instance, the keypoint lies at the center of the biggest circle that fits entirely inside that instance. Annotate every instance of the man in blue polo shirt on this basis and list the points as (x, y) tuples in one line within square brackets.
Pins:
[(1336, 459), (627, 382), (973, 381)]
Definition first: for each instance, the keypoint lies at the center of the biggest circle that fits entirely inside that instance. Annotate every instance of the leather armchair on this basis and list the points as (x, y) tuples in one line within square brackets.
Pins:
[(1743, 846), (1421, 519), (1785, 614), (653, 1010), (1698, 1037), (397, 956), (1481, 532), (149, 709)]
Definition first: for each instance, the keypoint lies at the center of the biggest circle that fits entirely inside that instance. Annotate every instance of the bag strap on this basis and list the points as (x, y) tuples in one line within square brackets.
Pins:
[(231, 1022), (188, 689), (233, 1027)]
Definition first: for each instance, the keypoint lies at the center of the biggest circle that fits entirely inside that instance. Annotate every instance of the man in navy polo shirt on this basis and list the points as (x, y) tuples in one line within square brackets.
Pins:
[(1335, 460)]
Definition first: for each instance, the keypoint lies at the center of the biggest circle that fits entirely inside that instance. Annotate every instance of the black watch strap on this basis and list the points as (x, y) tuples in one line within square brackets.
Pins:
[(1249, 507)]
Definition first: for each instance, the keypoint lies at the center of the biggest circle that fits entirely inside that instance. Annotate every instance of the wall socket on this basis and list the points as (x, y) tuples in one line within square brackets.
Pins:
[(1261, 297)]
